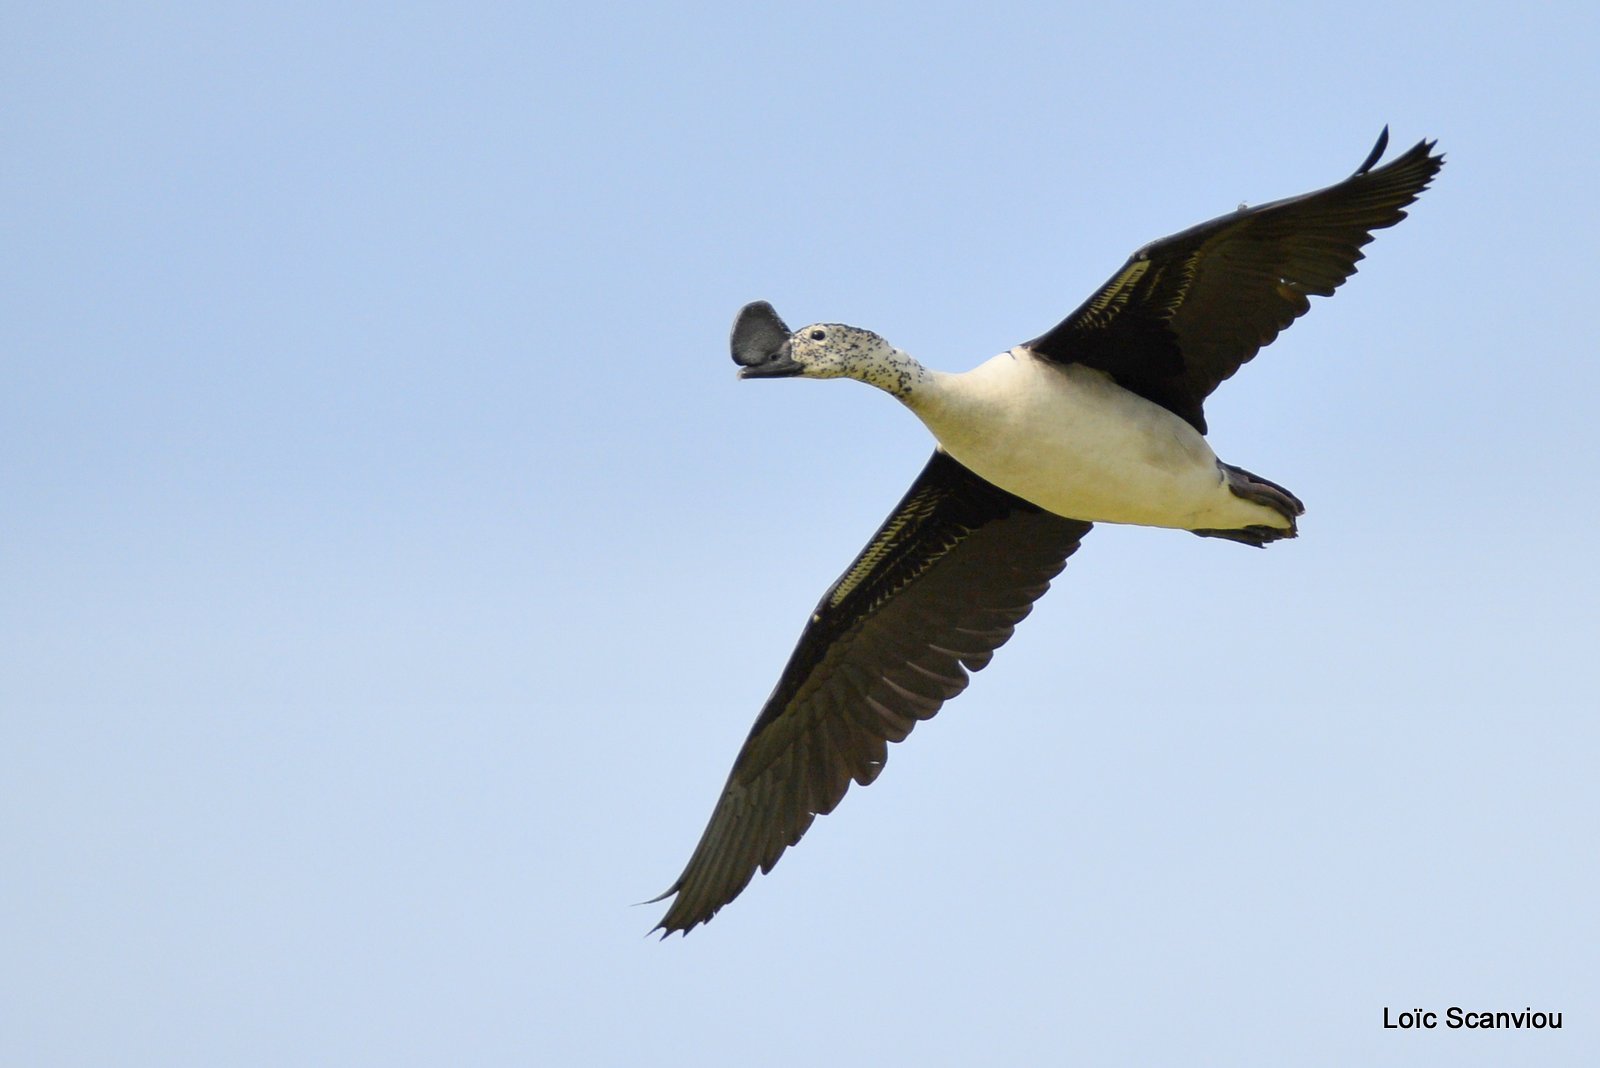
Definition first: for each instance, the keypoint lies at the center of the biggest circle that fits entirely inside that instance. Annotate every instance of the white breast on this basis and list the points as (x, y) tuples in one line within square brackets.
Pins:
[(1072, 441)]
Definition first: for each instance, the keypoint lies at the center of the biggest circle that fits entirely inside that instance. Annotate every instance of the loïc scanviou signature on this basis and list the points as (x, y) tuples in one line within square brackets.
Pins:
[(1456, 1017)]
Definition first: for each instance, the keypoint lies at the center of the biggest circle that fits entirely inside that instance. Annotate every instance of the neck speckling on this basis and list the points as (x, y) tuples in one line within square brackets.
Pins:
[(895, 372)]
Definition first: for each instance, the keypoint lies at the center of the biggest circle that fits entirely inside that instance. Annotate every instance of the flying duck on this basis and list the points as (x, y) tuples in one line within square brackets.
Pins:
[(1099, 420)]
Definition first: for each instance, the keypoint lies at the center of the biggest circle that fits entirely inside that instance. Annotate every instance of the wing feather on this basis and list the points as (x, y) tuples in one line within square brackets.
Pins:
[(1186, 312), (939, 587)]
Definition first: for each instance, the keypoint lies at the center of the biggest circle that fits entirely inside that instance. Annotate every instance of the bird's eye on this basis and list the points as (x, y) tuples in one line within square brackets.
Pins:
[(819, 335)]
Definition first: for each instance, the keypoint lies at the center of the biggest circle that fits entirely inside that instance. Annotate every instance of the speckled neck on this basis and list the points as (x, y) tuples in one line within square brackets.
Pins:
[(895, 372)]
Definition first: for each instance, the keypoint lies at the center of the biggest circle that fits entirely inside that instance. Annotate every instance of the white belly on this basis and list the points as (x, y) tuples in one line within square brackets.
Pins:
[(1072, 441)]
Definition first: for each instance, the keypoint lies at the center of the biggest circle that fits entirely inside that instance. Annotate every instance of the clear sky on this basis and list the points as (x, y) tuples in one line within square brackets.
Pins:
[(391, 564)]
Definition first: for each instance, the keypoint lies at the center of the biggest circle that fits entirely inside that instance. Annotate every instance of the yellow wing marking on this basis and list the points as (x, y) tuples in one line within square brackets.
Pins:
[(911, 516), (1115, 296)]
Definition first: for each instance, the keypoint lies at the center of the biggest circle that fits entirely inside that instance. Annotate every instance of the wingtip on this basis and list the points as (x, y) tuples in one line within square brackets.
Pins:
[(668, 925), (1377, 152), (1423, 149), (673, 889), (669, 928)]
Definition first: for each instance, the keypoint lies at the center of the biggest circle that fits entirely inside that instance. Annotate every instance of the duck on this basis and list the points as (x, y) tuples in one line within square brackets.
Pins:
[(1100, 420)]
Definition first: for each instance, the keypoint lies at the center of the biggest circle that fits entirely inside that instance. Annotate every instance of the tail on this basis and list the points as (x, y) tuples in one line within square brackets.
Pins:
[(1258, 490)]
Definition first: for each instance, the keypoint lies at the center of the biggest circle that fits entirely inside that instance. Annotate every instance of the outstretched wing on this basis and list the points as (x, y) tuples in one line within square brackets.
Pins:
[(1184, 313), (936, 591)]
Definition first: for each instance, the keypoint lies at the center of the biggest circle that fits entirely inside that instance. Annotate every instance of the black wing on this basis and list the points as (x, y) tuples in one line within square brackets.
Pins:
[(1187, 311), (936, 591)]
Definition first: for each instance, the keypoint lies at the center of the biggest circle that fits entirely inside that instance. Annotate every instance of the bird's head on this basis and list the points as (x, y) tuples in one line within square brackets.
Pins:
[(764, 347)]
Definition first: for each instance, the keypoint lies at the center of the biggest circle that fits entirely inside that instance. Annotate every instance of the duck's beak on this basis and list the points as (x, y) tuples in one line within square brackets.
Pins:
[(778, 364)]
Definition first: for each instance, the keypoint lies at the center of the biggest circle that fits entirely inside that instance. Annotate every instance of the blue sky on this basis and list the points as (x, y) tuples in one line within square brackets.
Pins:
[(392, 563)]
